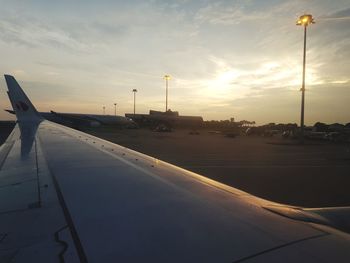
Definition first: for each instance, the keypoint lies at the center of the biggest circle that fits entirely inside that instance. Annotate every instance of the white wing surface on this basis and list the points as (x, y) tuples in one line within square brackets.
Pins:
[(66, 196)]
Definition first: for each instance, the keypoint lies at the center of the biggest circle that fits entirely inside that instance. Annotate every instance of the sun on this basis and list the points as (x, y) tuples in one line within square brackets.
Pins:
[(222, 83)]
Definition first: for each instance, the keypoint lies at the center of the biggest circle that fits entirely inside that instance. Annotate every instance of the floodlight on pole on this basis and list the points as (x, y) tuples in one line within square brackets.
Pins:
[(304, 21), (104, 110), (134, 91), (115, 109), (167, 78)]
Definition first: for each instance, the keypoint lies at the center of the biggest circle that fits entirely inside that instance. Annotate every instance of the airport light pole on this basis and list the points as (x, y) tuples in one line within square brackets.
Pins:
[(304, 20), (134, 91), (104, 110), (167, 78), (115, 109)]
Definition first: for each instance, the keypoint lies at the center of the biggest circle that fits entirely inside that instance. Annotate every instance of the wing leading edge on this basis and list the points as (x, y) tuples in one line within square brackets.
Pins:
[(102, 202)]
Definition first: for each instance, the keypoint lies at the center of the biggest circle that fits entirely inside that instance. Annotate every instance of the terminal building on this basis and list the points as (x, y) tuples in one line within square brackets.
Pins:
[(169, 118)]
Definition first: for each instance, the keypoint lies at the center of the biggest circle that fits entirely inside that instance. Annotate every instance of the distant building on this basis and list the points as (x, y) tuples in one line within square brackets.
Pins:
[(168, 118)]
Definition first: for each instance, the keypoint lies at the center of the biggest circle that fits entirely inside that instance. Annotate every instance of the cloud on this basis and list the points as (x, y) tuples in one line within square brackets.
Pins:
[(33, 33), (224, 56), (220, 14), (338, 15)]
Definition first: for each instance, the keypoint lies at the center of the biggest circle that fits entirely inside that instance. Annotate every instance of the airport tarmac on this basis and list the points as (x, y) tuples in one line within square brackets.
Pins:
[(313, 175), (316, 175)]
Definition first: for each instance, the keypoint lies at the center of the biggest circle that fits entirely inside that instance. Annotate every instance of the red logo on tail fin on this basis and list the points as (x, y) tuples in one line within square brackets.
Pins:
[(22, 106)]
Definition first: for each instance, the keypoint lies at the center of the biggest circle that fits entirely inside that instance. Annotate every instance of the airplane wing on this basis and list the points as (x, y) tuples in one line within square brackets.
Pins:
[(66, 196)]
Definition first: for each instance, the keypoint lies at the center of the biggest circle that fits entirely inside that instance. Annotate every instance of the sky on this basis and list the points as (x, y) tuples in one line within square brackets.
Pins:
[(240, 59)]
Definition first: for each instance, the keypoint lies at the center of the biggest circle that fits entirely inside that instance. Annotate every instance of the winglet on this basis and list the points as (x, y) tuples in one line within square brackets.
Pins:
[(22, 106)]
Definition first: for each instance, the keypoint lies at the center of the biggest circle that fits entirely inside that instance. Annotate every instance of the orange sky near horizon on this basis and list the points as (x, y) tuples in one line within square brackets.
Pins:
[(240, 59)]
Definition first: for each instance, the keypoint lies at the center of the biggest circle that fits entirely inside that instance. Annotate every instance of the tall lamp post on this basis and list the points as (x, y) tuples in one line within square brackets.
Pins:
[(115, 109), (304, 21), (134, 91), (167, 78), (104, 110)]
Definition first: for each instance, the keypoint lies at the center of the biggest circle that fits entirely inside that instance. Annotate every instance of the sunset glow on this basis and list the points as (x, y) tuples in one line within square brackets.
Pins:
[(225, 58)]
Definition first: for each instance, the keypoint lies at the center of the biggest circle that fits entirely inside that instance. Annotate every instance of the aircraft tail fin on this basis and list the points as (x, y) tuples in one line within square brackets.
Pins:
[(22, 106)]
